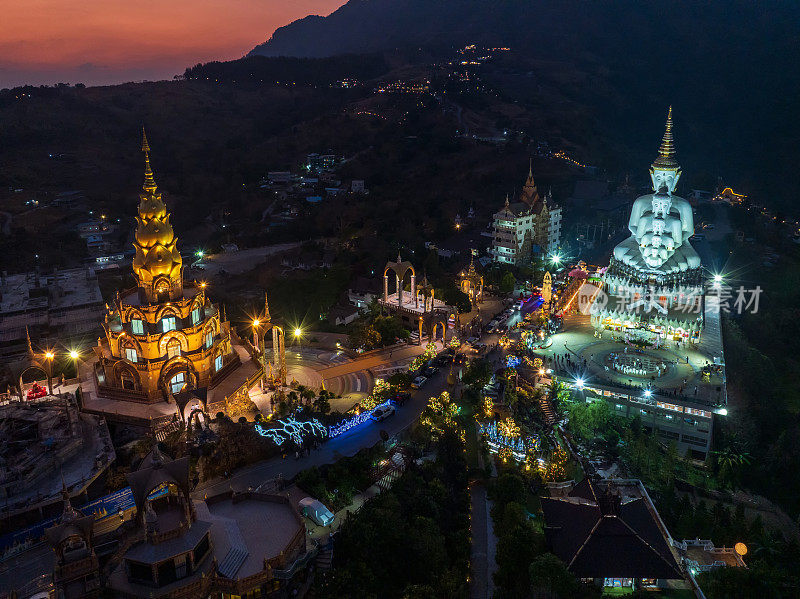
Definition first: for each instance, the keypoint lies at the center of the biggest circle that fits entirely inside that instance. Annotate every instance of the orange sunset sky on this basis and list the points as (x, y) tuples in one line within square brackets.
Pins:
[(99, 42)]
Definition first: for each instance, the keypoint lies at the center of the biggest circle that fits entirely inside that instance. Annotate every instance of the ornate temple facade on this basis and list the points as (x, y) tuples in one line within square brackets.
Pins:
[(164, 335), (531, 225), (655, 278)]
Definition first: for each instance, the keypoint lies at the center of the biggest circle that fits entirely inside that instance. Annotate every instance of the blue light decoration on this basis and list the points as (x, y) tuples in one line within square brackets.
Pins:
[(292, 429), (518, 446), (512, 361), (346, 425)]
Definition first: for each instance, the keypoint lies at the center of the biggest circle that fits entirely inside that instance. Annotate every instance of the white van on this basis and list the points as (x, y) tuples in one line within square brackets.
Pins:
[(316, 511)]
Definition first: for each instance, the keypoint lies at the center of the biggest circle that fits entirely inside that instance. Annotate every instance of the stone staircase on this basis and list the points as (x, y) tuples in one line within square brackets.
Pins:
[(547, 409)]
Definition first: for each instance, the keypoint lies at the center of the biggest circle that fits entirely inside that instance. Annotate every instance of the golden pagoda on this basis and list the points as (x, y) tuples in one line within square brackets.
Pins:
[(163, 336)]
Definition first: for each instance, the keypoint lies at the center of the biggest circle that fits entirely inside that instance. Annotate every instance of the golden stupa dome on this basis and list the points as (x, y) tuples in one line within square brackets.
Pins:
[(160, 260), (154, 231), (151, 206)]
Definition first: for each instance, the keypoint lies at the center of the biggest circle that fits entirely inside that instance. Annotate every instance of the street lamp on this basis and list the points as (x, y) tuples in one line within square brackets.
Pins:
[(298, 332), (49, 361), (579, 384), (555, 259), (256, 322)]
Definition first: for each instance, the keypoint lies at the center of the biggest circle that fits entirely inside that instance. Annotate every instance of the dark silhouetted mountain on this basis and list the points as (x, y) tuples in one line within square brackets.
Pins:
[(628, 28), (730, 67)]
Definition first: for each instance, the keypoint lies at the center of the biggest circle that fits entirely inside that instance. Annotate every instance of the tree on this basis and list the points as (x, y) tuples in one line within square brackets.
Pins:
[(478, 373), (549, 574), (364, 337), (507, 283)]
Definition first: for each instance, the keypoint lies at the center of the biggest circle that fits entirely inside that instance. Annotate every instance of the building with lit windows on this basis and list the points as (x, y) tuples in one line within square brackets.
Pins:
[(531, 225), (164, 335)]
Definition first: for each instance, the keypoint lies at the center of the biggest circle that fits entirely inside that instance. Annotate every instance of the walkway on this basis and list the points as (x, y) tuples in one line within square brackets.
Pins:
[(484, 544)]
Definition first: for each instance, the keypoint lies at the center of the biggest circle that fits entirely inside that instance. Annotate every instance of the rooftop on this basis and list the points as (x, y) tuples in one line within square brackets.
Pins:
[(609, 528), (55, 291), (260, 527)]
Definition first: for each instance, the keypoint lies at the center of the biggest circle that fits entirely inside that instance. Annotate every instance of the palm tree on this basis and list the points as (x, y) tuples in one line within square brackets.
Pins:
[(730, 463)]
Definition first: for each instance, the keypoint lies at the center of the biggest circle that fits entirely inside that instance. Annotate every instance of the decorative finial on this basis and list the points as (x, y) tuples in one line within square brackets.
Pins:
[(145, 145), (666, 153), (530, 168), (149, 184), (506, 201), (399, 259), (266, 308)]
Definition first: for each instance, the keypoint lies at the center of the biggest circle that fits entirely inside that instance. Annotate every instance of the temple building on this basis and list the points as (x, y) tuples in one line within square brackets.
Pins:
[(531, 225), (226, 545), (418, 309), (76, 574), (656, 353), (609, 532), (164, 335), (471, 283), (655, 277)]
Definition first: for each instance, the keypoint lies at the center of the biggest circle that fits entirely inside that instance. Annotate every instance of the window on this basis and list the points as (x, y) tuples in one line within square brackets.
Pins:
[(209, 338), (137, 326), (218, 363), (130, 354), (195, 316), (177, 382), (173, 348), (168, 324)]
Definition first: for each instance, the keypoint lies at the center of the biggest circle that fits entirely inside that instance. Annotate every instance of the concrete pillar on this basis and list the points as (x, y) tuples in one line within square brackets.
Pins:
[(385, 288), (399, 291), (414, 290)]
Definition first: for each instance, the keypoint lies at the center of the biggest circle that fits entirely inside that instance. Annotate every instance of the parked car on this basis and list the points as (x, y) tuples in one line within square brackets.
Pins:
[(402, 398), (419, 382), (382, 413), (472, 340), (316, 511), (430, 371)]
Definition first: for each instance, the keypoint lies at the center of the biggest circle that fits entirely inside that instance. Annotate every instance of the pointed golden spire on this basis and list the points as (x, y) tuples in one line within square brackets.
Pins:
[(30, 345), (149, 182), (506, 206), (666, 153), (267, 317)]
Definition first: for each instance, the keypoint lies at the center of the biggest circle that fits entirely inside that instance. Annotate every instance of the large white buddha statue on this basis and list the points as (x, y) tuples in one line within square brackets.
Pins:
[(660, 223)]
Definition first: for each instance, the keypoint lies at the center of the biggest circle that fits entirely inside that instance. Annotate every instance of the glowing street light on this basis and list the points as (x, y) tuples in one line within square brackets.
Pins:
[(199, 253), (256, 322), (74, 354), (648, 393), (579, 384), (298, 332), (555, 259), (49, 355)]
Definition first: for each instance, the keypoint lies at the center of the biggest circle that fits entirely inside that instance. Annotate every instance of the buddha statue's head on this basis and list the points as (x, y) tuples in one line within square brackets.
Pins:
[(665, 177)]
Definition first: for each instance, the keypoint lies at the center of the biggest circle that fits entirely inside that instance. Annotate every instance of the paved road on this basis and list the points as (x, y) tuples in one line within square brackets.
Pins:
[(481, 585)]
